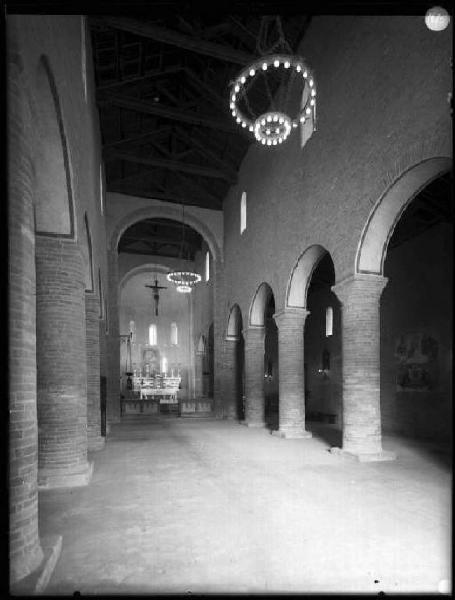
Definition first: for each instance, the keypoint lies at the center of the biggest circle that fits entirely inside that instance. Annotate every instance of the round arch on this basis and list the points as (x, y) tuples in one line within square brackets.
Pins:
[(375, 237), (234, 327), (166, 212), (258, 304), (299, 281), (145, 268), (54, 197)]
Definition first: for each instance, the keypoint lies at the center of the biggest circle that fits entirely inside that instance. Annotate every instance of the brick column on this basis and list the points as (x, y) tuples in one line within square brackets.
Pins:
[(92, 343), (230, 373), (113, 342), (218, 334), (102, 341), (290, 323), (199, 367), (359, 297), (103, 368), (62, 364), (254, 377), (25, 550)]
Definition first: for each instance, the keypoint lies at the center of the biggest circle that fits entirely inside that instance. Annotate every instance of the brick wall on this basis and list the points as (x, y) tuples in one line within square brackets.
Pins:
[(61, 360), (380, 110), (92, 345), (25, 549), (58, 37), (113, 342)]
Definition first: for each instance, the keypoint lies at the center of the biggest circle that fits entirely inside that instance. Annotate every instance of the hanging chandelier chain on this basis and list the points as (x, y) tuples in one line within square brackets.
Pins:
[(262, 45), (183, 280), (278, 69)]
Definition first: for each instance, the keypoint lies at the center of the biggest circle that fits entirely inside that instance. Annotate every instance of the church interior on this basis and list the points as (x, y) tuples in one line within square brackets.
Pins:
[(230, 302)]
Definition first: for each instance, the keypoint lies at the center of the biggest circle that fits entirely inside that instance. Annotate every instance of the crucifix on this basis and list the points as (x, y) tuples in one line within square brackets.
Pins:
[(156, 293)]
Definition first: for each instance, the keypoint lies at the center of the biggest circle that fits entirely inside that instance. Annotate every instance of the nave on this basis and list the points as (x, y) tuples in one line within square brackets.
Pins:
[(202, 505)]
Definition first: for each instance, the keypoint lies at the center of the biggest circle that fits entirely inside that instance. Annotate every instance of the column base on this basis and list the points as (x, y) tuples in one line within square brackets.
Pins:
[(96, 443), (290, 434), (49, 479), (36, 582), (257, 425), (383, 455)]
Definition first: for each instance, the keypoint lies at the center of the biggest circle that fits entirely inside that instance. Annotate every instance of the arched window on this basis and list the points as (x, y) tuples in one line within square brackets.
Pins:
[(164, 365), (243, 212), (329, 321), (84, 56), (152, 335), (207, 265), (174, 336)]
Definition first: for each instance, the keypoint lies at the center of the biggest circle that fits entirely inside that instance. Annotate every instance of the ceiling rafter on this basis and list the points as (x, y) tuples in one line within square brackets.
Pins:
[(139, 78), (205, 150), (197, 187), (165, 111), (138, 138), (197, 83), (173, 165), (167, 36)]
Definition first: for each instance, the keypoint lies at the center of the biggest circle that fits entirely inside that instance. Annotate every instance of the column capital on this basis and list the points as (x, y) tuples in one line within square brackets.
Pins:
[(291, 316), (232, 338), (253, 331), (360, 286)]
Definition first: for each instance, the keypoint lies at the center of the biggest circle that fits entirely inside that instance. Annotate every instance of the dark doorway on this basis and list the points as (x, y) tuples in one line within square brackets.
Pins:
[(416, 320), (271, 380)]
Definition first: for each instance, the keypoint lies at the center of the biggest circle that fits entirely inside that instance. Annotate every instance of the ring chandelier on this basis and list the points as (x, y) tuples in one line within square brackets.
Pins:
[(184, 280), (274, 126)]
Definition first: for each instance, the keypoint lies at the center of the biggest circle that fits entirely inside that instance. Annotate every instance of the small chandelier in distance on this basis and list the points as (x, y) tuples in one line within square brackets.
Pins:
[(183, 280)]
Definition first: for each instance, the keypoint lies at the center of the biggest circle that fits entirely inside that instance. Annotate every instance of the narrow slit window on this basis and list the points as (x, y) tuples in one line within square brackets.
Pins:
[(207, 265), (164, 365), (152, 335), (174, 334), (329, 321), (101, 190), (243, 212)]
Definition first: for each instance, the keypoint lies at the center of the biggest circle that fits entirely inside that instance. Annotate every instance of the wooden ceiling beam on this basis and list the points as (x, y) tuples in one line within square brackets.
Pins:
[(174, 38), (198, 83), (129, 80), (165, 111), (138, 138), (168, 164), (197, 187), (202, 147)]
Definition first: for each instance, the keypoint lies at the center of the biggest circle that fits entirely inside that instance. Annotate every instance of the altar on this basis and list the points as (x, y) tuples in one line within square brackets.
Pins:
[(152, 395)]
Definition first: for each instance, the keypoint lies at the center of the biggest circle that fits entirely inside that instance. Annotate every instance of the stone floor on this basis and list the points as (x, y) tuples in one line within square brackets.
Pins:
[(186, 505)]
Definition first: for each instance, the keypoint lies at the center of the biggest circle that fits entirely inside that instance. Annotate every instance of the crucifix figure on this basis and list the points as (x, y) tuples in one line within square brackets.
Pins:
[(156, 293)]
